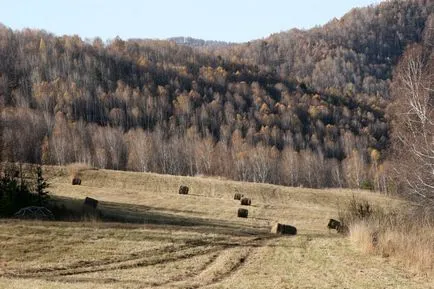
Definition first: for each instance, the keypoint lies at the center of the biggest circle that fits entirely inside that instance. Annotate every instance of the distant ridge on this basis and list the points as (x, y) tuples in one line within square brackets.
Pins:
[(195, 42)]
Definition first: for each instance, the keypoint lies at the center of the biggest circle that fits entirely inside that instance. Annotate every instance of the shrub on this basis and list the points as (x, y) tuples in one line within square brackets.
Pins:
[(406, 234), (355, 210), (75, 169), (367, 185)]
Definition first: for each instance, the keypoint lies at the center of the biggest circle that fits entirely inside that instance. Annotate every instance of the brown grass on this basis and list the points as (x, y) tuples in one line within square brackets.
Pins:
[(405, 234), (75, 169), (161, 239)]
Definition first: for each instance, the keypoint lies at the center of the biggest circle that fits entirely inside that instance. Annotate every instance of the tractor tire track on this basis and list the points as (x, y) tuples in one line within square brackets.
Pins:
[(64, 279), (214, 272), (164, 255)]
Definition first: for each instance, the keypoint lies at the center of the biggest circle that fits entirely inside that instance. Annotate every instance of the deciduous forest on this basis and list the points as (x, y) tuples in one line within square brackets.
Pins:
[(346, 104)]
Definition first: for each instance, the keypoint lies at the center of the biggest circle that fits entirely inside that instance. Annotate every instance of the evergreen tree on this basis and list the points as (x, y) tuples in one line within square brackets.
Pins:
[(41, 186)]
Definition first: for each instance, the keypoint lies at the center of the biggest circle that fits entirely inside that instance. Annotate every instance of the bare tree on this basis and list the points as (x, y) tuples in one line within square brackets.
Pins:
[(263, 162), (290, 167), (204, 151), (413, 125), (61, 140), (355, 169), (140, 150)]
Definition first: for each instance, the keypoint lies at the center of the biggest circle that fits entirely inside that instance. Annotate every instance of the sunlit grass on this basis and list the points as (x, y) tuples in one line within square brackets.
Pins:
[(195, 240)]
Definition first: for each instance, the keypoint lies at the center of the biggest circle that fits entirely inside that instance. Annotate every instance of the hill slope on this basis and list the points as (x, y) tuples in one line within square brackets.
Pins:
[(194, 240), (352, 55)]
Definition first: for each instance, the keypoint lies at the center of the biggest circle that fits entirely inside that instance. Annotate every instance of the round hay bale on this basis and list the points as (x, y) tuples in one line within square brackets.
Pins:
[(90, 202), (246, 201), (76, 181), (334, 224), (238, 196), (284, 229), (183, 190), (243, 213), (338, 226)]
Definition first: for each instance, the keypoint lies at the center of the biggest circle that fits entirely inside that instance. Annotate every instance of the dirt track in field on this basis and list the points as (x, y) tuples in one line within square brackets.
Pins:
[(165, 240)]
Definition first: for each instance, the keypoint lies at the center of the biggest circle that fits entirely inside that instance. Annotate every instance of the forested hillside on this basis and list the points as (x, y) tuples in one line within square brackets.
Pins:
[(352, 55), (298, 108)]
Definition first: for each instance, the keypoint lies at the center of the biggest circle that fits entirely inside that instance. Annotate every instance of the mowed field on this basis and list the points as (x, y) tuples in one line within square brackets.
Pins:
[(159, 239)]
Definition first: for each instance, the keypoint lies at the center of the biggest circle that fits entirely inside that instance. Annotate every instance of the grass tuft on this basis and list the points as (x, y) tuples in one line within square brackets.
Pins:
[(75, 169), (406, 234)]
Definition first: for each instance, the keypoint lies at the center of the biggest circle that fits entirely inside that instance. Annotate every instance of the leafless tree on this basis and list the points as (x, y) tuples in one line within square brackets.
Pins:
[(413, 126), (290, 167), (140, 150)]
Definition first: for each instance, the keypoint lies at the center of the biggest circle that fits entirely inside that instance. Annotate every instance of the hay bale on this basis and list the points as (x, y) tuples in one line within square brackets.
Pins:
[(76, 181), (338, 226), (334, 224), (238, 196), (89, 210), (246, 201), (89, 202), (284, 229), (243, 213), (183, 190)]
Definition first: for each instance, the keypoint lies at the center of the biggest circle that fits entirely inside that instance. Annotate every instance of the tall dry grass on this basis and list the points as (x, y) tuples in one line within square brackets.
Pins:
[(405, 234), (74, 169)]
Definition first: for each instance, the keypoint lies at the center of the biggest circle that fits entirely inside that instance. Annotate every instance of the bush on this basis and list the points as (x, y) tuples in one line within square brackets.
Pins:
[(74, 169), (356, 210), (406, 234), (367, 185)]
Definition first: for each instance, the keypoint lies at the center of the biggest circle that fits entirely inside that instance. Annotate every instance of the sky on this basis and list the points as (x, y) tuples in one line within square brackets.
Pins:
[(224, 20)]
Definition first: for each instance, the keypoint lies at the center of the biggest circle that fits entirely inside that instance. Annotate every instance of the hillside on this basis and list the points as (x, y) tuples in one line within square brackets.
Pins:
[(194, 240), (355, 54), (299, 108)]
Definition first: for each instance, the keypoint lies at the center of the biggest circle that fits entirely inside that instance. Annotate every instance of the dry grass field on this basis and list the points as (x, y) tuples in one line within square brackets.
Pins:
[(160, 239)]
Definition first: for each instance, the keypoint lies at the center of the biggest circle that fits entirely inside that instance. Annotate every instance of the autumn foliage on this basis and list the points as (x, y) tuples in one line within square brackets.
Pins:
[(298, 108)]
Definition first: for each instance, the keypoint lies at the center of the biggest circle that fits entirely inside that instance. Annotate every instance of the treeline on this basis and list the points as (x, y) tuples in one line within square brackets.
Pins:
[(198, 42), (162, 107), (190, 154)]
